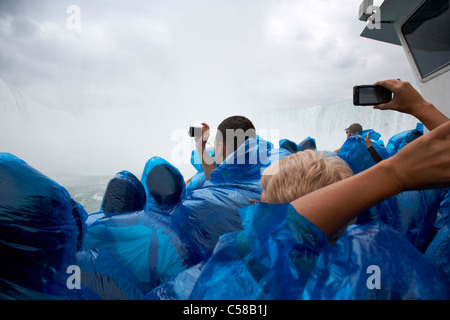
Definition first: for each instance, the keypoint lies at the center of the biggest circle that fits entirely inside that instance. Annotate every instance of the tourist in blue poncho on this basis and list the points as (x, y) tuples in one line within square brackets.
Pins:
[(41, 228), (143, 240), (231, 180)]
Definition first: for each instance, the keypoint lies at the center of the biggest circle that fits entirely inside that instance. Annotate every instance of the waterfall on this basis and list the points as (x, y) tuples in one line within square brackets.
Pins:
[(326, 124)]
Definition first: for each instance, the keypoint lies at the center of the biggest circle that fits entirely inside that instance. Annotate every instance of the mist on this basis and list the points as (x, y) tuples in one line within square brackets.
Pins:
[(107, 85)]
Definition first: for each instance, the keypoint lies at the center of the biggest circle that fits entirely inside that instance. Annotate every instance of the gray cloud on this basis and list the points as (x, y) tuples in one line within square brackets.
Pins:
[(226, 47)]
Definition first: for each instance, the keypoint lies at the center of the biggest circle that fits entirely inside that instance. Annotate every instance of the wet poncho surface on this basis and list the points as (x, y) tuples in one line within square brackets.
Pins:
[(106, 276), (399, 140), (374, 261), (178, 289), (438, 252), (306, 144), (124, 193), (144, 241), (289, 145), (412, 213), (40, 230), (164, 185), (354, 150), (270, 259), (281, 255)]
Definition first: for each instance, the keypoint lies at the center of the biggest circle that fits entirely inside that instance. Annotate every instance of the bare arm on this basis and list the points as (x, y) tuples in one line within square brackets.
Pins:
[(408, 100), (422, 163), (200, 143)]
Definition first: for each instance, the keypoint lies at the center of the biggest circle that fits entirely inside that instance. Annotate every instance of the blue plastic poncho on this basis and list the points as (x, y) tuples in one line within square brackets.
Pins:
[(438, 252), (281, 255), (40, 228), (289, 145), (412, 213), (199, 177), (197, 180), (307, 144), (399, 140), (124, 193), (197, 162), (178, 289), (80, 215), (292, 147), (270, 259), (144, 241), (102, 273), (212, 210), (354, 150), (373, 261), (164, 185)]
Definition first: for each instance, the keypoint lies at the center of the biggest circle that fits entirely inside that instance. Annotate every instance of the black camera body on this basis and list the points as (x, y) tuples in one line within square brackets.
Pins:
[(370, 95), (195, 132)]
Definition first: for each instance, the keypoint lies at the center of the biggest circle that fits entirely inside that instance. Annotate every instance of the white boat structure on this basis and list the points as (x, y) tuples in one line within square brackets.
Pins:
[(422, 28)]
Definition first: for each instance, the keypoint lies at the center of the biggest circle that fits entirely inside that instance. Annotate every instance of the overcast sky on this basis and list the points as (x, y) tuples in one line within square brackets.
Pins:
[(170, 63)]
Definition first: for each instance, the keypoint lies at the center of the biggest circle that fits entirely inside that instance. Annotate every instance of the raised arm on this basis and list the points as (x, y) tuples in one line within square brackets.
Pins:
[(200, 143), (407, 100), (373, 153), (423, 163)]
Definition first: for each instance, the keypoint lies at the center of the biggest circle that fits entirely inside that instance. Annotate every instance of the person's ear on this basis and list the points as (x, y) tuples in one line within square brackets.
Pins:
[(264, 196)]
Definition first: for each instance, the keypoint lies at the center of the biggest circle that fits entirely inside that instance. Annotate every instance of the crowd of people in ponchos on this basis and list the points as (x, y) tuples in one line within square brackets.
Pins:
[(257, 221)]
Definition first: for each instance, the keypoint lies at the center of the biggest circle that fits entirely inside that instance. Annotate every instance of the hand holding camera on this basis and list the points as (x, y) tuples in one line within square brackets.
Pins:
[(371, 95), (200, 134), (407, 100)]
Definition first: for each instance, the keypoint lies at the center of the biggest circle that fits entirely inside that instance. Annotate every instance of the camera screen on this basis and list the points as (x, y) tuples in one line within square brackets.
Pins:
[(371, 95)]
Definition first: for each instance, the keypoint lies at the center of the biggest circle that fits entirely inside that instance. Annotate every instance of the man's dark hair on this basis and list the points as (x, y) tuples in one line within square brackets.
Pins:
[(239, 125)]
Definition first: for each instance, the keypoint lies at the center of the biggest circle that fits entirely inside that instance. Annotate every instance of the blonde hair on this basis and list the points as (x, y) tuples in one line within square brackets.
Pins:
[(303, 172), (298, 174)]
